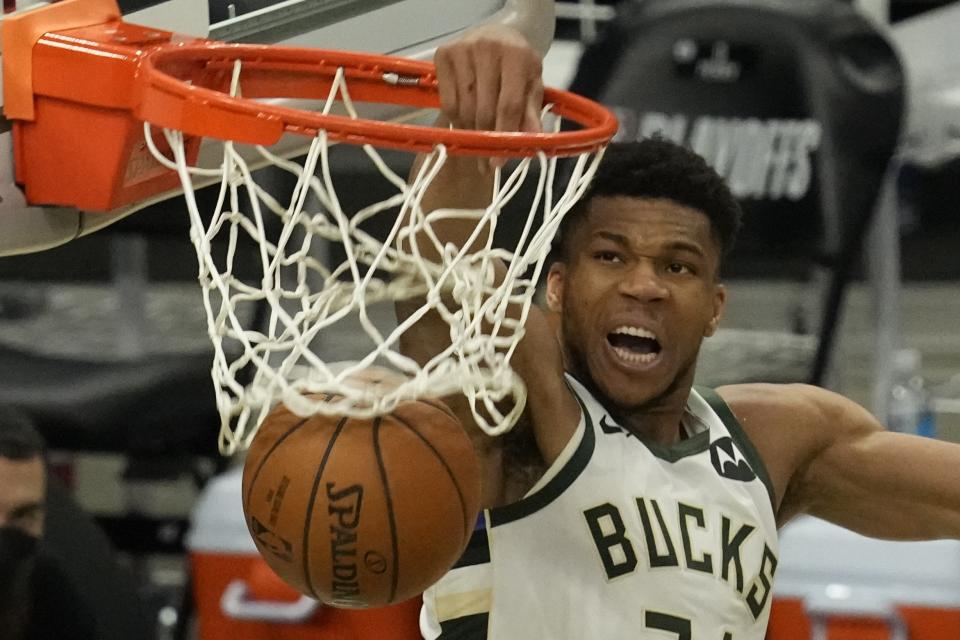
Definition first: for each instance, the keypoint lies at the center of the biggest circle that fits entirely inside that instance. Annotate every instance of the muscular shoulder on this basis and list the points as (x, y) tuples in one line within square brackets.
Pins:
[(790, 424), (791, 407), (780, 403)]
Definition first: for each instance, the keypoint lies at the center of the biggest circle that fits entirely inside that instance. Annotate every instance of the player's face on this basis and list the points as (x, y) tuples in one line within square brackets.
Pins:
[(637, 296), (22, 499)]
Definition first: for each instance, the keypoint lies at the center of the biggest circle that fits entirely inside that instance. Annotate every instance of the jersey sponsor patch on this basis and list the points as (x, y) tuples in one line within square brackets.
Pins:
[(729, 462)]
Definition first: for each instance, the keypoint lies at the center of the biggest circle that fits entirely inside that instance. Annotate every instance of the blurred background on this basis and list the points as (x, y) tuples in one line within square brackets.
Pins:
[(837, 123)]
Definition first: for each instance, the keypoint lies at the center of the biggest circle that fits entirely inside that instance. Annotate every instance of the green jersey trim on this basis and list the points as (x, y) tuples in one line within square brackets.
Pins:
[(678, 450), (740, 436), (557, 484)]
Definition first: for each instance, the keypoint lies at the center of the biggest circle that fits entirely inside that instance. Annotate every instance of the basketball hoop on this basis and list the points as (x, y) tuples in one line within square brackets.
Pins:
[(186, 91)]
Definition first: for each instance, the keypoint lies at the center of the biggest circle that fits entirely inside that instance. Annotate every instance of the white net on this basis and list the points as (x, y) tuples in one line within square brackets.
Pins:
[(307, 293)]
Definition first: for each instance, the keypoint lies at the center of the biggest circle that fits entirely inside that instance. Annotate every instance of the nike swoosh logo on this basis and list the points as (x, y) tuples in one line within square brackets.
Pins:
[(606, 427)]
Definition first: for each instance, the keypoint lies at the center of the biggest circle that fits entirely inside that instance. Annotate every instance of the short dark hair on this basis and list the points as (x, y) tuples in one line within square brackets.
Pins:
[(658, 168), (19, 439)]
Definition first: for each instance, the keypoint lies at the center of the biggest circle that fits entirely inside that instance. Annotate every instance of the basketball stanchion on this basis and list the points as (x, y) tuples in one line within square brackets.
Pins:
[(165, 103)]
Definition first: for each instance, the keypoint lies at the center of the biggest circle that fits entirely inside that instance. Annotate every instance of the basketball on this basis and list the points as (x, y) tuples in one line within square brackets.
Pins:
[(362, 513)]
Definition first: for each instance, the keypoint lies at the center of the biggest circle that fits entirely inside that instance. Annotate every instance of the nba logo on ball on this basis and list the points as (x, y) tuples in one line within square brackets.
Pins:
[(269, 541), (372, 511)]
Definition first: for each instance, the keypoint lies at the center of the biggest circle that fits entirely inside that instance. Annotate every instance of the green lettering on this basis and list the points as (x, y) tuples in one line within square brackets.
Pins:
[(608, 541), (730, 550), (768, 567), (686, 512), (669, 557)]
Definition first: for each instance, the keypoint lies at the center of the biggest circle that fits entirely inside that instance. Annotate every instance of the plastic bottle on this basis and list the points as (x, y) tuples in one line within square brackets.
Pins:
[(908, 406)]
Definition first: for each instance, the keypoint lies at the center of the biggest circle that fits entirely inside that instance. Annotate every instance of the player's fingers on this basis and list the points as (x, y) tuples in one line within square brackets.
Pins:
[(487, 65), (533, 107), (510, 106), (455, 73), (466, 83), (446, 82), (520, 75)]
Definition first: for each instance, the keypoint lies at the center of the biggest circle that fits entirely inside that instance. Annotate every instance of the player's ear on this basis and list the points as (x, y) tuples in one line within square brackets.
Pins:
[(719, 303), (556, 278)]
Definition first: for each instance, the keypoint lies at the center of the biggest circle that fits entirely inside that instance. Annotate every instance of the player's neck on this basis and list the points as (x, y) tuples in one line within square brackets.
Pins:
[(659, 420), (656, 420)]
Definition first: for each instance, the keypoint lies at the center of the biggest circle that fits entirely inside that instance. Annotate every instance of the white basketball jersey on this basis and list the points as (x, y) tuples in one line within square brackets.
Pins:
[(623, 539)]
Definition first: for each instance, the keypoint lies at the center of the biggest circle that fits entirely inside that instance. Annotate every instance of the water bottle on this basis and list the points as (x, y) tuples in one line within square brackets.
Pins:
[(908, 406)]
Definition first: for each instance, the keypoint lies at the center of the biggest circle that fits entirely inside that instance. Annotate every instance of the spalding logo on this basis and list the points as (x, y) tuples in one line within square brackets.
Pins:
[(343, 506)]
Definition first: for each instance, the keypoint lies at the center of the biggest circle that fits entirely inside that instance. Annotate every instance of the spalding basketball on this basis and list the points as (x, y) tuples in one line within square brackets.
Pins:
[(362, 513)]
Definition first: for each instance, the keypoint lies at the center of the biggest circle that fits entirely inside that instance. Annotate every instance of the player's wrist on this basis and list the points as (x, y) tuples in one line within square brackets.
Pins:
[(535, 19)]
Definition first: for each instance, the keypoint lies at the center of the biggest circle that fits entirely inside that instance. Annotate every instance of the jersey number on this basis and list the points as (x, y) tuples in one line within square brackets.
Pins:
[(672, 624)]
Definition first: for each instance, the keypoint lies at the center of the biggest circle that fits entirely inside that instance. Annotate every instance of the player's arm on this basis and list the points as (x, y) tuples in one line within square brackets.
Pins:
[(829, 457), (490, 79), (535, 19)]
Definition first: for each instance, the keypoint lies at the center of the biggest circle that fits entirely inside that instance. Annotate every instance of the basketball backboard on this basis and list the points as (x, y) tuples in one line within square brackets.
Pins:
[(410, 28)]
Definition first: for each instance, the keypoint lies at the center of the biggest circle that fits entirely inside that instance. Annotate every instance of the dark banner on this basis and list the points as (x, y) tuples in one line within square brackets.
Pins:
[(797, 103)]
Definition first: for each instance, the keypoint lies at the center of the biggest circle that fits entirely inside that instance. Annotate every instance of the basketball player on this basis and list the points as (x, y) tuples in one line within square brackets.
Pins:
[(625, 503)]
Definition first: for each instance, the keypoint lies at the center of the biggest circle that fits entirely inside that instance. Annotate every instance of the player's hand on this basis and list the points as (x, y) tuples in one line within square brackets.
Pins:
[(490, 79)]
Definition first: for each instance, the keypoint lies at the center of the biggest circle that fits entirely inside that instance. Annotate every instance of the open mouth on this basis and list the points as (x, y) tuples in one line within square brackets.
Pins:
[(634, 345)]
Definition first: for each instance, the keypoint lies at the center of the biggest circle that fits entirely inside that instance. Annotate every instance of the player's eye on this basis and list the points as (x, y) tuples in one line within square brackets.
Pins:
[(608, 256), (679, 268)]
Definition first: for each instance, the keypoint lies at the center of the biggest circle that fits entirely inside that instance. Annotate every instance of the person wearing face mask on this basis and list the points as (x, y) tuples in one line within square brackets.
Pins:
[(22, 489), (36, 601)]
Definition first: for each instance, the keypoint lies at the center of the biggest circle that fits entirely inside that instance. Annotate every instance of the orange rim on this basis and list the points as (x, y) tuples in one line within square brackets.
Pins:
[(184, 88)]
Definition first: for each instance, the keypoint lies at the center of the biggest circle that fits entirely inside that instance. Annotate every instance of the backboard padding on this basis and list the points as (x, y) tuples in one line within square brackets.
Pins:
[(404, 27)]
